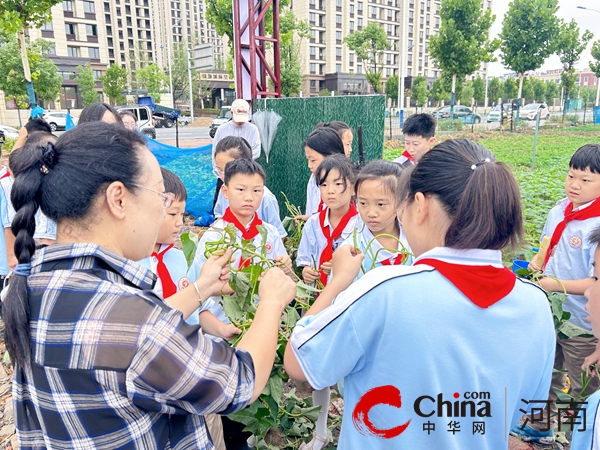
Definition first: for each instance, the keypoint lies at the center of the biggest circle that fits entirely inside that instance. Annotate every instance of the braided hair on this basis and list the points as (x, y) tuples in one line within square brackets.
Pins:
[(63, 180)]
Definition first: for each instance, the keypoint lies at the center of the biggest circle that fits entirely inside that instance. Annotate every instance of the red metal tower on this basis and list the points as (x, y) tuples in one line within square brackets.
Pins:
[(252, 70)]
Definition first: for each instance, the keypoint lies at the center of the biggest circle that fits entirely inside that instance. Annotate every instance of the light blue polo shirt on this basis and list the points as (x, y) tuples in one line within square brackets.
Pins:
[(572, 257), (410, 329), (176, 264)]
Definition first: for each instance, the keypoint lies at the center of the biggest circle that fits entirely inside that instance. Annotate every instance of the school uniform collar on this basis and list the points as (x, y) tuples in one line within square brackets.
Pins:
[(565, 202), (470, 257)]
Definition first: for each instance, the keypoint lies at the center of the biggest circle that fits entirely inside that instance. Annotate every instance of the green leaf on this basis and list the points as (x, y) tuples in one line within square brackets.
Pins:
[(312, 413), (570, 330), (263, 235), (189, 244), (303, 290), (275, 384), (232, 308)]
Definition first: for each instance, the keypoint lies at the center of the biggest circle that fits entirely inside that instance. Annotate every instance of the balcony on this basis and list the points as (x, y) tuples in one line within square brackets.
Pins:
[(48, 33), (92, 39), (68, 13), (71, 37), (89, 16)]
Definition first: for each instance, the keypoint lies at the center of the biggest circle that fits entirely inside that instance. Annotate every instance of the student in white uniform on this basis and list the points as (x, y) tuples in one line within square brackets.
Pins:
[(417, 345), (243, 185), (322, 234), (569, 259), (379, 196), (228, 149), (344, 132), (586, 435), (319, 144)]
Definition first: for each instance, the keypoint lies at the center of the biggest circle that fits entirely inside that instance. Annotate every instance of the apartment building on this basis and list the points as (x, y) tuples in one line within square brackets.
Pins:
[(131, 33), (328, 62)]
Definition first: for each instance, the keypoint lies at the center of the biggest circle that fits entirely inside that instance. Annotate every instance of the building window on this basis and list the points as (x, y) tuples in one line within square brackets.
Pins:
[(338, 35), (373, 11), (94, 52), (91, 30), (359, 22), (47, 27), (313, 84), (351, 9), (67, 5), (97, 74), (351, 57), (313, 68), (352, 25), (338, 3), (338, 52), (338, 68), (338, 19), (71, 29), (312, 51), (311, 17), (73, 51), (360, 7), (51, 50), (358, 69), (88, 7)]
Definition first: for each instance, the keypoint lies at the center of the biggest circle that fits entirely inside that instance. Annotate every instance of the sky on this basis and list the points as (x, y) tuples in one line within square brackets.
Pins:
[(568, 10)]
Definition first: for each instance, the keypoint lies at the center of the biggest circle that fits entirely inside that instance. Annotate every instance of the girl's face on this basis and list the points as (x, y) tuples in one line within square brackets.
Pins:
[(314, 159), (221, 160), (333, 192), (377, 207), (347, 139)]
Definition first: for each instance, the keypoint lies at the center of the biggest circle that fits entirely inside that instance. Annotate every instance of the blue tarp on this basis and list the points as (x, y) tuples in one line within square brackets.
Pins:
[(194, 167)]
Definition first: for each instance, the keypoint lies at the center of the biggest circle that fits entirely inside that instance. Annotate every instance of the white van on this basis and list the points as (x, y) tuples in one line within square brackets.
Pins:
[(145, 121)]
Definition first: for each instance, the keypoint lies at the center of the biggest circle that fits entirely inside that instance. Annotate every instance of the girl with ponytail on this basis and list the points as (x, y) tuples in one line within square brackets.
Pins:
[(456, 322), (83, 327)]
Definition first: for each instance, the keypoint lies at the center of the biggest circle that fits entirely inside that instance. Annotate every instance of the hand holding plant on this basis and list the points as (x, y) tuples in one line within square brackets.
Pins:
[(276, 286), (310, 275), (214, 275), (346, 264)]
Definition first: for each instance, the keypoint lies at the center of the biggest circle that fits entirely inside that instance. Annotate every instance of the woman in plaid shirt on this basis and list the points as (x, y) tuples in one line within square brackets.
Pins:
[(100, 360)]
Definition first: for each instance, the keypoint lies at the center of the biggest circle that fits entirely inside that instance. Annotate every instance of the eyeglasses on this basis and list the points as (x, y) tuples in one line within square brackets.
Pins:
[(168, 197), (217, 173)]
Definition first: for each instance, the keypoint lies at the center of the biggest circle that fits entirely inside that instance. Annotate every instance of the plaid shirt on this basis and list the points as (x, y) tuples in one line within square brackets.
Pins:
[(112, 366)]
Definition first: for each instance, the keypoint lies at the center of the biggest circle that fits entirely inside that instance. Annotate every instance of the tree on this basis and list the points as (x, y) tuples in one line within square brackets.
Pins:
[(552, 92), (527, 89), (179, 71), (291, 33), (87, 84), (463, 42), (438, 93), (114, 82), (494, 89), (570, 47), (595, 62), (478, 89), (16, 16), (369, 45), (324, 92), (510, 89), (419, 90), (539, 90), (391, 88), (153, 79), (467, 94), (528, 35), (44, 73)]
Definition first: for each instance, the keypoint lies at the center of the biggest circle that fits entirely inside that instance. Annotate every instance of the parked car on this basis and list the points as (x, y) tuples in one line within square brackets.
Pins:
[(460, 112), (58, 120), (528, 112), (223, 116), (145, 121), (500, 110), (9, 132)]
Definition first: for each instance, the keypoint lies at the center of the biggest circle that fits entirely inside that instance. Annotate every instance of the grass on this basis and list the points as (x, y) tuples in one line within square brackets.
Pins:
[(541, 187)]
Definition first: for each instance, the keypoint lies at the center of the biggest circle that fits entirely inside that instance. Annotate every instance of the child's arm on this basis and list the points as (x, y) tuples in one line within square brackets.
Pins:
[(10, 248), (594, 358), (573, 287), (213, 326)]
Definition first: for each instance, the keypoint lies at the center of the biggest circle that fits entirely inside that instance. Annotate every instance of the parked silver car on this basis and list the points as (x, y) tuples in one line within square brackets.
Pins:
[(528, 112), (58, 120), (145, 121)]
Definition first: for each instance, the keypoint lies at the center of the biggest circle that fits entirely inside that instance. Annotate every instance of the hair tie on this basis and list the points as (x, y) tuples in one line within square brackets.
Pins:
[(23, 269), (48, 158), (475, 166)]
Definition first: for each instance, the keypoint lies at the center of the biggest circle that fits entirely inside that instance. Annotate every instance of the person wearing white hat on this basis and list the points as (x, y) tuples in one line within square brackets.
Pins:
[(240, 127)]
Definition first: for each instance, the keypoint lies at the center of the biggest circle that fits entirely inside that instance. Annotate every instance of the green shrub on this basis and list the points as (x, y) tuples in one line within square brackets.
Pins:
[(8, 145), (572, 119), (450, 125)]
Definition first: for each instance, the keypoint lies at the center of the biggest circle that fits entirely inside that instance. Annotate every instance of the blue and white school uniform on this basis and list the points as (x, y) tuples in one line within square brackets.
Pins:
[(376, 252), (268, 210), (44, 228), (274, 247), (572, 258), (410, 328), (313, 196), (313, 241), (176, 264)]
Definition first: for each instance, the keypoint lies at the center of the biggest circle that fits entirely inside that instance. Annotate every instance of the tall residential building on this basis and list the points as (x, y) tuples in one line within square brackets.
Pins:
[(130, 33), (329, 63)]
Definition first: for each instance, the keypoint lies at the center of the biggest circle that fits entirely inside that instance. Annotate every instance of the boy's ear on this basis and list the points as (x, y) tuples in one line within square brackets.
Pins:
[(431, 141), (224, 191)]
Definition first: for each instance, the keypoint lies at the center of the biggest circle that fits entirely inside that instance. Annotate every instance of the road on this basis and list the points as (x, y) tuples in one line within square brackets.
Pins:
[(184, 133)]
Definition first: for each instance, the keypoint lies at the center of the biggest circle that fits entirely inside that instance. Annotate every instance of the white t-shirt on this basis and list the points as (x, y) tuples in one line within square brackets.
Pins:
[(248, 131), (313, 196)]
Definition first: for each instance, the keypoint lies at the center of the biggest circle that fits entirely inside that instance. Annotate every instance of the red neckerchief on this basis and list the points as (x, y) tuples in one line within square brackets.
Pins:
[(408, 156), (395, 260), (327, 252), (5, 175), (320, 208), (581, 214), (168, 287), (247, 234), (483, 285)]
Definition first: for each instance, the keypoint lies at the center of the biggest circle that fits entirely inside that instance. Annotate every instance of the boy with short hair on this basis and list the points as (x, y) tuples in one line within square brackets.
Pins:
[(568, 265), (171, 267), (419, 137), (243, 186)]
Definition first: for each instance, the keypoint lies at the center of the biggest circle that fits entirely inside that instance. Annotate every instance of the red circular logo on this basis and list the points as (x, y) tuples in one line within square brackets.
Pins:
[(183, 283), (269, 247), (575, 241)]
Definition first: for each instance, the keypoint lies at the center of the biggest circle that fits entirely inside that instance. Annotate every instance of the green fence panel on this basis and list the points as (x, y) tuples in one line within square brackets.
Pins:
[(287, 169)]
